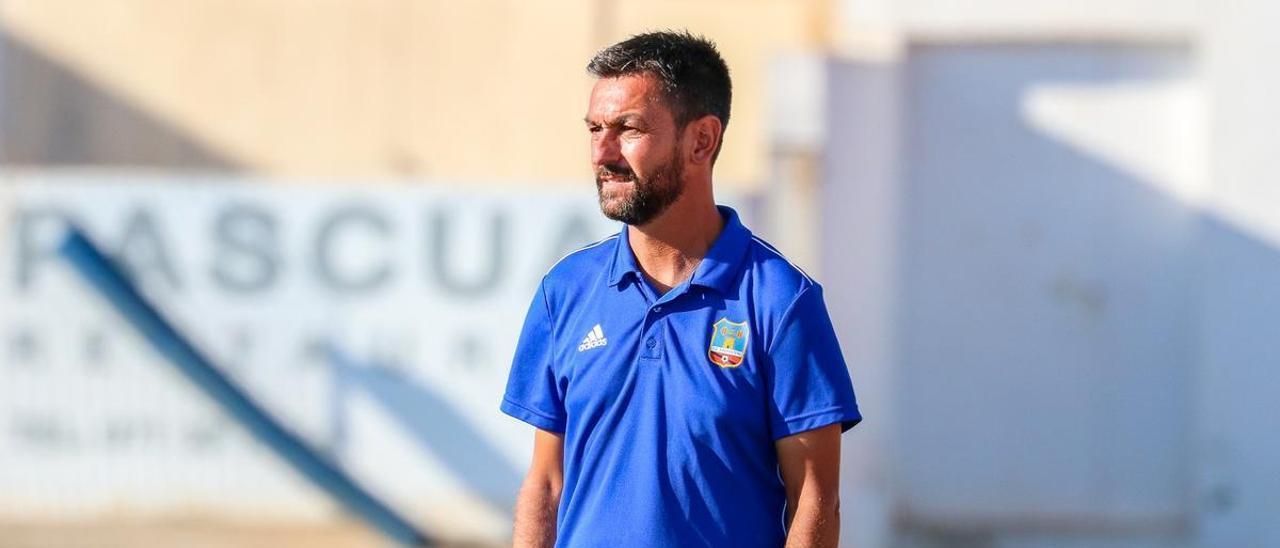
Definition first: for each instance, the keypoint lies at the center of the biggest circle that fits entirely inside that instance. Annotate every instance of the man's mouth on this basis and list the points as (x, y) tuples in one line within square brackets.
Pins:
[(612, 178), (614, 175)]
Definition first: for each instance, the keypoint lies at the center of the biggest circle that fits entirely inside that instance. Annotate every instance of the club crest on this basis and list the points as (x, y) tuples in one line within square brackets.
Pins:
[(728, 342)]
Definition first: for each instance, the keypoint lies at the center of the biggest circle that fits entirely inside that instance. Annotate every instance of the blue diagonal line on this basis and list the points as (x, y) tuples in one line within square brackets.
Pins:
[(108, 279), (436, 425)]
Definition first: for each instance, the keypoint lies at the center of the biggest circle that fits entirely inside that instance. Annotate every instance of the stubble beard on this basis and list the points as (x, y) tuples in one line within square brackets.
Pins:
[(648, 197)]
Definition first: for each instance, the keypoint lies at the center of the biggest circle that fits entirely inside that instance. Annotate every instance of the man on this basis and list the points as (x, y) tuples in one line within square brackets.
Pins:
[(683, 376)]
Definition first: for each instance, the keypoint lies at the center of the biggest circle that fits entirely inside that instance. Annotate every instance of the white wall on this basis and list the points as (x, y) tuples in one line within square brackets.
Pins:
[(860, 216), (1022, 294), (1030, 18), (1238, 447), (420, 290)]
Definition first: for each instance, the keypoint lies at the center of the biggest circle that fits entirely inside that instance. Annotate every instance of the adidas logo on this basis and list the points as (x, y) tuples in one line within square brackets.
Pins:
[(595, 338)]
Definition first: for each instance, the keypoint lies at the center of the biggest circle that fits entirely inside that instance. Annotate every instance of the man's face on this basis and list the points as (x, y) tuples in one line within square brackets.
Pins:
[(635, 148)]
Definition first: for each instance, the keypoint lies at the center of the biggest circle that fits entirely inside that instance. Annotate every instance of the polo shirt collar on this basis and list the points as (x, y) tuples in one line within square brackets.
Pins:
[(718, 268)]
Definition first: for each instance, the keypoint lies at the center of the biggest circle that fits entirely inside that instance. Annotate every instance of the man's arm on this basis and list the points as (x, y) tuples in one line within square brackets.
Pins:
[(810, 467), (539, 497)]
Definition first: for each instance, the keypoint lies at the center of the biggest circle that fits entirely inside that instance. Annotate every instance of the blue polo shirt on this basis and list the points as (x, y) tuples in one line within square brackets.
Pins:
[(670, 405)]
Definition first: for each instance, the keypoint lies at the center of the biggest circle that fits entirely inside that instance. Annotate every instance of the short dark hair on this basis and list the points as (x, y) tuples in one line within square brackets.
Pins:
[(693, 75)]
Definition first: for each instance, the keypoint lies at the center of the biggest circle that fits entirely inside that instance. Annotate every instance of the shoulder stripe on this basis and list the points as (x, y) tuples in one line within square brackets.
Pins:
[(579, 250), (783, 257)]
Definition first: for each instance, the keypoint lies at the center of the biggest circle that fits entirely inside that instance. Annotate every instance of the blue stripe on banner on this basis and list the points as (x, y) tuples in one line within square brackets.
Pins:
[(109, 280)]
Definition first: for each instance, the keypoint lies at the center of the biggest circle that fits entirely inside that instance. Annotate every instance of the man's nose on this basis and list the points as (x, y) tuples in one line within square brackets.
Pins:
[(605, 149)]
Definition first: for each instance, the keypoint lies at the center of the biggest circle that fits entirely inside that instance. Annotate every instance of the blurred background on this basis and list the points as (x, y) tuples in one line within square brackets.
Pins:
[(1048, 233)]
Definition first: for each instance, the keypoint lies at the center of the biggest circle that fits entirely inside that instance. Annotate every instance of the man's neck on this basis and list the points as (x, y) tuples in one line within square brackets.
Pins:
[(670, 247)]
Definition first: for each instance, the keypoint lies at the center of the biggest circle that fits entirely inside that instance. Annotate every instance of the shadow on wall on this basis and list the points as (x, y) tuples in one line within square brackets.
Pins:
[(1048, 308), (1047, 304), (51, 116), (1237, 467), (435, 425)]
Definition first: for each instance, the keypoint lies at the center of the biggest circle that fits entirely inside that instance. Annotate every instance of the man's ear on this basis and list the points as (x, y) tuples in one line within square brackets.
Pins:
[(704, 134)]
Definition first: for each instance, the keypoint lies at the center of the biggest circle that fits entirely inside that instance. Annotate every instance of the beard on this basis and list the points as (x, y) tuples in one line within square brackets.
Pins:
[(648, 196)]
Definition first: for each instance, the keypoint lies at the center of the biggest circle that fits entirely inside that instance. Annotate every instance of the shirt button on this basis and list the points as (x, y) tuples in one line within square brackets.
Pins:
[(657, 309), (651, 342)]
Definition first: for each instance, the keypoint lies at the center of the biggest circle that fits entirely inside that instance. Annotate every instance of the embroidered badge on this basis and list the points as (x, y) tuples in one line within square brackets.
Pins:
[(728, 342)]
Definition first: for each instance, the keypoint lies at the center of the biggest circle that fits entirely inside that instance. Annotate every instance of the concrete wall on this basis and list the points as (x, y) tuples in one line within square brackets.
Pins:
[(1024, 19), (1238, 449), (1076, 270), (1019, 298)]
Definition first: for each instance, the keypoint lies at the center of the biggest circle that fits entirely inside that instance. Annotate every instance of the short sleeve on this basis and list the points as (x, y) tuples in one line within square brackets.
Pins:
[(810, 381), (533, 395)]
